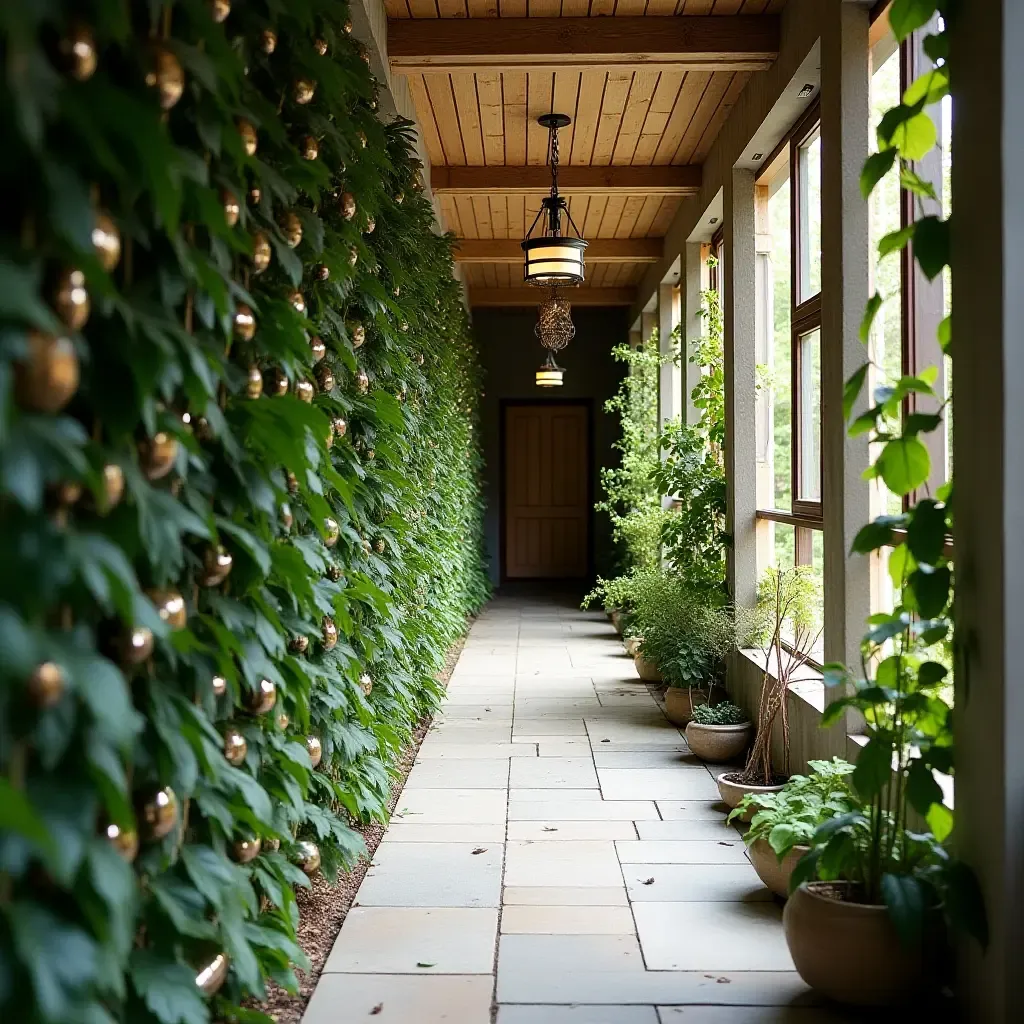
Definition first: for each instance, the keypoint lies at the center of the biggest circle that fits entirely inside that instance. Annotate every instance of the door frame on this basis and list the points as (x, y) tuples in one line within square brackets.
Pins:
[(503, 405)]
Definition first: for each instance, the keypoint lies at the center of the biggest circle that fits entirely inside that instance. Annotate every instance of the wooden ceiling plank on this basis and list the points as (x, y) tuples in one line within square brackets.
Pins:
[(588, 109), (662, 7), (697, 7), (665, 215), (396, 9), (727, 7), (482, 8), (602, 8), (591, 226), (575, 8), (492, 116), (732, 94), (705, 110), (467, 216), (525, 295), (600, 250), (597, 275), (545, 8), (499, 216), (426, 119), (513, 84), (658, 113), (645, 218), (467, 107), (451, 214), (689, 99), (612, 214), (517, 222), (539, 90), (452, 9), (564, 101), (422, 8), (613, 105), (439, 89), (535, 181), (641, 93), (630, 212), (512, 8), (482, 212), (627, 8)]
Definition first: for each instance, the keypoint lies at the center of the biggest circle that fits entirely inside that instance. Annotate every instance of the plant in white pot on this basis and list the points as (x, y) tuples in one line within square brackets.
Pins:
[(719, 732), (787, 620)]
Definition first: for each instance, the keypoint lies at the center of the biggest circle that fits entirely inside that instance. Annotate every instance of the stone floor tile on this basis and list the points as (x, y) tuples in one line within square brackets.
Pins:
[(693, 883), (564, 896), (524, 953), (656, 784), (712, 936), (554, 773), (573, 830), (576, 746), (523, 795), (577, 1015), (577, 863), (468, 773), (693, 810), (471, 732), (575, 920), (452, 999), (478, 835), (452, 806), (434, 747), (639, 735), (499, 714), (689, 829), (433, 875), (537, 727), (769, 1015), (397, 940), (582, 810), (608, 756), (689, 851), (472, 696)]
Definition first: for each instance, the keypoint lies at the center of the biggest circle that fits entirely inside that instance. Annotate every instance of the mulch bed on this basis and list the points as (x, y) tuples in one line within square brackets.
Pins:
[(324, 906)]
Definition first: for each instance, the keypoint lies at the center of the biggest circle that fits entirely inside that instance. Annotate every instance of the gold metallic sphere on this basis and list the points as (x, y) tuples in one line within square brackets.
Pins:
[(166, 75), (320, 45), (334, 573), (254, 382), (315, 750), (212, 975), (304, 390), (371, 225), (291, 227), (78, 53), (325, 378), (268, 41), (362, 382), (281, 721), (136, 645), (275, 382), (322, 272), (219, 10), (232, 207), (356, 332), (245, 850), (217, 563), (353, 256), (106, 241), (396, 291), (303, 90), (308, 856), (261, 252), (364, 53), (347, 204), (378, 544), (419, 358), (361, 136), (329, 633), (347, 27), (71, 299), (339, 426), (298, 301), (310, 148), (371, 454), (159, 813), (247, 133), (46, 685), (367, 547), (253, 196), (292, 481), (124, 840), (298, 644), (332, 531), (245, 323), (317, 348), (235, 747), (404, 326), (262, 699), (286, 517), (366, 683), (113, 487), (170, 606), (399, 198), (219, 686), (158, 455)]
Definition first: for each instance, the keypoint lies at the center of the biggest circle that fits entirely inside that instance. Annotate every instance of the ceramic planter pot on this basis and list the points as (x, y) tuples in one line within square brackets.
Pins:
[(679, 703), (646, 669), (718, 743), (733, 792), (774, 875), (631, 644), (617, 616), (850, 952)]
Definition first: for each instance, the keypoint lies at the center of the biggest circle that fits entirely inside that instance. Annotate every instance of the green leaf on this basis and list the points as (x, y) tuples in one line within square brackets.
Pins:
[(927, 530), (895, 241), (931, 245), (928, 88), (18, 816), (853, 388), (965, 903), (940, 821), (874, 768), (922, 789), (906, 16), (916, 137), (932, 590), (870, 312), (904, 898), (875, 168), (168, 988), (904, 464)]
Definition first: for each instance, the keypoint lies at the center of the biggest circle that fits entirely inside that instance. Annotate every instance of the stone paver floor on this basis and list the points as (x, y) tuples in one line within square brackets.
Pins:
[(558, 857)]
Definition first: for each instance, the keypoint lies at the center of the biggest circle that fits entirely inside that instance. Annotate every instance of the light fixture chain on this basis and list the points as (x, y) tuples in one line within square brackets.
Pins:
[(554, 162)]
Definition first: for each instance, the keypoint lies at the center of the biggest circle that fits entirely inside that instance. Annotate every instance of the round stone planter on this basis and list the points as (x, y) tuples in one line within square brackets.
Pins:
[(679, 703), (718, 743), (646, 670), (850, 952), (733, 792), (616, 615), (775, 875), (631, 643)]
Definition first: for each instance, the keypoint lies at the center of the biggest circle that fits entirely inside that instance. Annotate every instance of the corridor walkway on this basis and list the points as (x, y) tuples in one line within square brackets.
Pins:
[(557, 855)]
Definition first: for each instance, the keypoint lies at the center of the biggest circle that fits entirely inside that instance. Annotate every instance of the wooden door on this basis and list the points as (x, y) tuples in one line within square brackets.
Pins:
[(547, 511)]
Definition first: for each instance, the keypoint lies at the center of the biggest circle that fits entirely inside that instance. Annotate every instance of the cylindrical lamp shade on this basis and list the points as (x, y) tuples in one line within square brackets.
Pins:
[(552, 261), (550, 374)]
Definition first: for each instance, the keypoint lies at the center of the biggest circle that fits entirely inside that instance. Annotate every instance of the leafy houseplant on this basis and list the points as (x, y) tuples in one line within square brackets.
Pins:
[(719, 714), (718, 732)]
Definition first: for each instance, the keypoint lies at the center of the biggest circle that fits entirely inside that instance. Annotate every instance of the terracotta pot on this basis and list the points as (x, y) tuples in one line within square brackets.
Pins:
[(851, 952), (679, 702), (769, 870), (646, 669), (616, 617), (719, 743), (733, 792), (631, 644)]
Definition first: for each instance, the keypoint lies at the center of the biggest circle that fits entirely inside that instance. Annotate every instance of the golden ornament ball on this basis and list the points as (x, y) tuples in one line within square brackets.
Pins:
[(158, 455), (66, 493), (378, 544), (322, 272), (218, 686), (170, 606), (399, 198), (71, 299), (262, 699), (308, 856), (268, 41), (329, 438), (271, 845), (419, 358), (219, 10), (373, 103), (325, 378), (304, 390), (292, 482), (347, 204), (370, 454), (204, 432), (332, 531), (291, 227), (286, 517), (217, 563), (281, 721), (166, 75), (235, 747), (310, 148), (254, 382), (78, 53), (159, 813), (245, 850), (339, 426), (320, 45), (401, 395), (366, 683), (347, 27), (353, 256), (329, 633), (275, 382), (365, 54), (356, 332), (106, 241), (362, 382), (211, 976), (371, 225), (124, 840), (135, 645), (113, 487), (247, 133), (396, 291), (245, 323), (253, 196), (315, 750), (367, 548), (404, 326), (298, 644), (46, 684), (317, 348), (334, 573), (261, 252), (232, 208), (303, 90), (298, 301)]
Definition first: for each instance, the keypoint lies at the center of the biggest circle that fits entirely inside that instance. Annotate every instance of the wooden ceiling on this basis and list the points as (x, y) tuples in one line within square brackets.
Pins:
[(647, 100)]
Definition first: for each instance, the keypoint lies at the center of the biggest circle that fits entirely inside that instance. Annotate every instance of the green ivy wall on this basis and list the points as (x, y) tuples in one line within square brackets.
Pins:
[(240, 520)]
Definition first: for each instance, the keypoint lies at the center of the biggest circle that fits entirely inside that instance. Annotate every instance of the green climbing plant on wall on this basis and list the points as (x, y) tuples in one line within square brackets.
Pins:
[(240, 520)]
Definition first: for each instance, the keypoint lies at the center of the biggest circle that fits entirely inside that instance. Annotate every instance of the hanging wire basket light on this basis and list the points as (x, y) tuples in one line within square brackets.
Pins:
[(549, 374), (554, 328), (551, 256)]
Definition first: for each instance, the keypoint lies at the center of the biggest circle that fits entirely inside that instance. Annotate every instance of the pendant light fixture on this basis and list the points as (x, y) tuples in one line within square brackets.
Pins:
[(549, 374), (554, 330), (551, 256)]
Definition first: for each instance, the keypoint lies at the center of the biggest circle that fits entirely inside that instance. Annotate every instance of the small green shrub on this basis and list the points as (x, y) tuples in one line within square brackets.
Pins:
[(719, 714)]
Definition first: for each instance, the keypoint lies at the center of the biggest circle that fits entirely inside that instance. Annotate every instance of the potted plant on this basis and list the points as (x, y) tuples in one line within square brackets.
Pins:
[(783, 824), (718, 732), (787, 620)]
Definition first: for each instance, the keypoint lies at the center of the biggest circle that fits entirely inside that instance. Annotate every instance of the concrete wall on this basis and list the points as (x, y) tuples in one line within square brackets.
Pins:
[(510, 355)]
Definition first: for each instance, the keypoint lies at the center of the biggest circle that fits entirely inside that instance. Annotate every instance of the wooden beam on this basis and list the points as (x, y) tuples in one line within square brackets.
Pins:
[(592, 181), (599, 250), (693, 42), (527, 296)]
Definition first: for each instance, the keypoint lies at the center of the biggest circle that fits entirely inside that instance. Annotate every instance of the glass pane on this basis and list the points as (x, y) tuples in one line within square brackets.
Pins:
[(810, 217), (783, 546), (779, 372), (810, 415)]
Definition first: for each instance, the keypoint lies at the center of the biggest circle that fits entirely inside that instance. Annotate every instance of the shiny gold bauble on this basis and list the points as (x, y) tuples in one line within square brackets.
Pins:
[(158, 455), (262, 699), (315, 750), (322, 272), (124, 840), (291, 227), (245, 850), (275, 382), (212, 975), (261, 252), (308, 856), (286, 517), (268, 41), (361, 136), (253, 196), (367, 547), (78, 53), (304, 390), (372, 104), (353, 256), (271, 845), (203, 430), (404, 326), (356, 333), (254, 382), (303, 90), (362, 382), (298, 644), (159, 813), (347, 27), (170, 606), (232, 208), (136, 645), (364, 53), (320, 45), (292, 481), (347, 205), (325, 378), (71, 299), (298, 301), (245, 322), (217, 563), (219, 686), (334, 573), (329, 633), (371, 454), (329, 438), (339, 426), (419, 358), (113, 487), (247, 133), (317, 348), (310, 148), (378, 544), (219, 10), (106, 241), (47, 378), (332, 531), (371, 225), (366, 683), (235, 747), (396, 291), (46, 685), (166, 75), (281, 721), (401, 395), (399, 198), (66, 493)]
